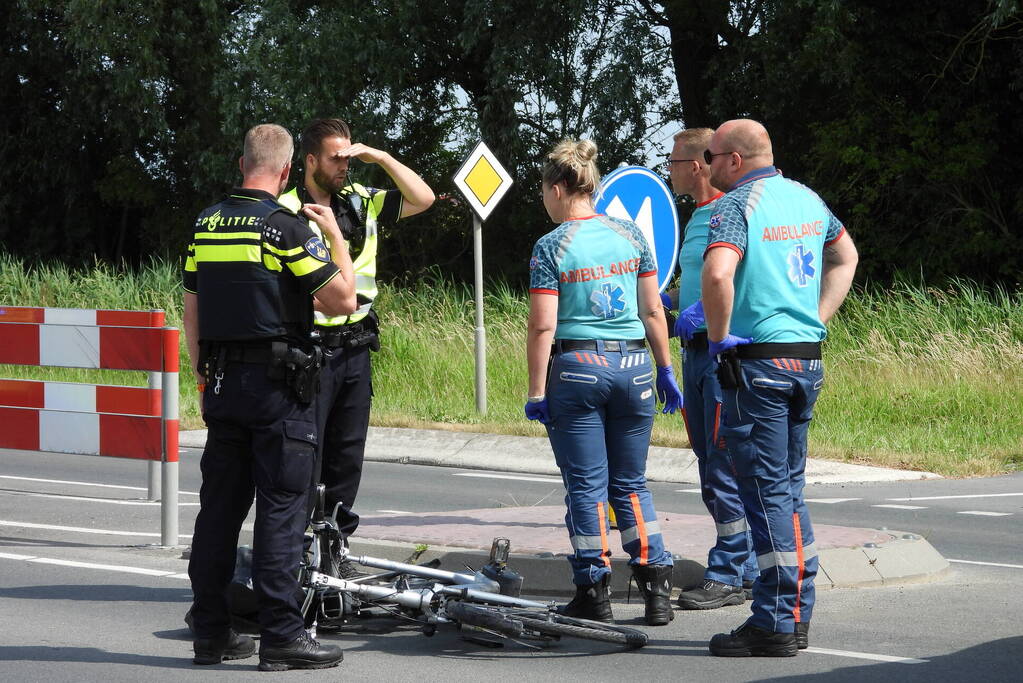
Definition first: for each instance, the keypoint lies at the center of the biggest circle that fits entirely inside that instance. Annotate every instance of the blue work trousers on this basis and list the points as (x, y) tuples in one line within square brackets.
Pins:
[(765, 427), (731, 560), (602, 410)]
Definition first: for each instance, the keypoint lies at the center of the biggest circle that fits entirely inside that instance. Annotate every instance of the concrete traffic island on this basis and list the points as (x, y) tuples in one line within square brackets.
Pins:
[(849, 556)]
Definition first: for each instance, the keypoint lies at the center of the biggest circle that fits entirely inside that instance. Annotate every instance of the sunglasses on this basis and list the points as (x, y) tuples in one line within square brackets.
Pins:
[(708, 157)]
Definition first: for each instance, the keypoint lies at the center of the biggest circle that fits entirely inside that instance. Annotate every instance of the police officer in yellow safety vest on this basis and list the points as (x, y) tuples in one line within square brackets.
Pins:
[(346, 389)]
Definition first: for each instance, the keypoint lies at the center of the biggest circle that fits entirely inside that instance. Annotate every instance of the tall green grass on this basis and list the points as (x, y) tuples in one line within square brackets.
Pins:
[(917, 377)]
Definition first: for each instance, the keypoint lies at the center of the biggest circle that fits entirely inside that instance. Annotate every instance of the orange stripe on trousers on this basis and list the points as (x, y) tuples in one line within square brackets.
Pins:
[(644, 545), (717, 424), (604, 551), (799, 561)]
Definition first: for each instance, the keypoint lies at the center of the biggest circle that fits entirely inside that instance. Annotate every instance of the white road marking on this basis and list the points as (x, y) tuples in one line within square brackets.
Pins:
[(516, 477), (84, 530), (89, 483), (865, 655), (92, 565), (972, 495), (687, 490), (901, 507), (830, 501), (983, 513), (989, 564), (112, 501), (396, 512)]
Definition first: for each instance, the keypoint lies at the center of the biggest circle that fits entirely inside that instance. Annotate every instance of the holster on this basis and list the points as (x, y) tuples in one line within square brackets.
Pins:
[(298, 368), (729, 370)]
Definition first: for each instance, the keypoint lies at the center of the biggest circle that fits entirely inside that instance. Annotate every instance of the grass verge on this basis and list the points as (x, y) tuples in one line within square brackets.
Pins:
[(916, 377)]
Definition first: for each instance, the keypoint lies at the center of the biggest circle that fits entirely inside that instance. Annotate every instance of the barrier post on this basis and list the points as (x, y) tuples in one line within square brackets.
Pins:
[(155, 382), (169, 463)]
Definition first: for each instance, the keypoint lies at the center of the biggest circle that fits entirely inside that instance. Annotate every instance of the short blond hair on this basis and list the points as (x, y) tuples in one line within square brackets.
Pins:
[(573, 162), (268, 148), (697, 139)]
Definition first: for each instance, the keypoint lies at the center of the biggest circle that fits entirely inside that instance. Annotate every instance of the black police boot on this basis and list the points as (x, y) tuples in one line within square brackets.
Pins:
[(750, 641), (228, 646), (301, 653), (803, 634), (654, 583), (711, 595), (591, 601)]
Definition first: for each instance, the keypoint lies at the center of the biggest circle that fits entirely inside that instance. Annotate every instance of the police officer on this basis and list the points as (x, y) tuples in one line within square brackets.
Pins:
[(593, 297), (778, 265), (731, 565), (346, 392), (250, 277)]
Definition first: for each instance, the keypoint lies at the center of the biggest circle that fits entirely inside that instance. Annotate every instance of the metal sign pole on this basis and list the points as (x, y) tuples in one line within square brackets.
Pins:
[(481, 332)]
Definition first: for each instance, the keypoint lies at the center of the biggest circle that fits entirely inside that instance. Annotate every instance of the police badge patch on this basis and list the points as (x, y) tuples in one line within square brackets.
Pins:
[(715, 220), (314, 246)]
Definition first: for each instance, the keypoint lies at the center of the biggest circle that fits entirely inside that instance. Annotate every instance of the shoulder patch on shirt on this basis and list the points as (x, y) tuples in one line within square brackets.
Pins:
[(533, 263), (314, 246), (715, 220)]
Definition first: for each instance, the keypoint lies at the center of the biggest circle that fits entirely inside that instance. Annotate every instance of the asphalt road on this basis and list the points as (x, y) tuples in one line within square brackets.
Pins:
[(85, 596)]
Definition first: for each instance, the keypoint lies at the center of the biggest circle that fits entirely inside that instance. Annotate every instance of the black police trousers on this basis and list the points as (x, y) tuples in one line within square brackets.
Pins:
[(346, 392), (261, 441)]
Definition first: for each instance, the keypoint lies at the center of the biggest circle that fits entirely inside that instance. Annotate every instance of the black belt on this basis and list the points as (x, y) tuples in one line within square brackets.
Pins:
[(338, 336), (801, 350), (697, 343), (563, 345), (241, 353)]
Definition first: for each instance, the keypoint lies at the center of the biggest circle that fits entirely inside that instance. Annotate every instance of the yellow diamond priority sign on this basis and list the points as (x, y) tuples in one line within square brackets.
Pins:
[(482, 180)]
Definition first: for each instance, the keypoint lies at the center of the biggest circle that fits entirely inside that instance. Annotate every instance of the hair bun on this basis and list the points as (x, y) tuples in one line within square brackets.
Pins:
[(586, 151)]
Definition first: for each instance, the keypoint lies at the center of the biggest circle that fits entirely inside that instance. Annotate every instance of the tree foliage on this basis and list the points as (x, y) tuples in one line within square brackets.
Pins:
[(122, 118)]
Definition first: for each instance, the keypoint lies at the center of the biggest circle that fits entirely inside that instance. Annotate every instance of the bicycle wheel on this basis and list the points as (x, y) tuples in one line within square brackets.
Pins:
[(554, 624)]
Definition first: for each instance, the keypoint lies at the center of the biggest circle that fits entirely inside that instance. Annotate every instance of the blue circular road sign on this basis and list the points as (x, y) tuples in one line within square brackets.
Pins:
[(639, 195)]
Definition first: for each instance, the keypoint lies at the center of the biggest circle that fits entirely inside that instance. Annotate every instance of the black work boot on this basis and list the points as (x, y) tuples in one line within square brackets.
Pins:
[(654, 583), (750, 641), (591, 601), (301, 653), (228, 646), (711, 595), (803, 634)]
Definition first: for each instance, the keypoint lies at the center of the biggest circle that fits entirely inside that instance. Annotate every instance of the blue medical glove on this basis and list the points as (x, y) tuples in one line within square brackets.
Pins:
[(690, 320), (730, 340), (666, 301), (537, 410), (668, 392)]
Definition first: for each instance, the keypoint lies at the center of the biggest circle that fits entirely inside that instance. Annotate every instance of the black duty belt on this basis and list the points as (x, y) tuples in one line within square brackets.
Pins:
[(341, 335), (697, 343), (563, 345), (801, 350), (239, 353)]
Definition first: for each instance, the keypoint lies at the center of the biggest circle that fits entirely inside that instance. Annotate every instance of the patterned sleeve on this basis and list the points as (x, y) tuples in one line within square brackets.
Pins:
[(647, 264), (388, 204), (190, 275), (835, 228), (297, 248), (728, 226), (543, 267)]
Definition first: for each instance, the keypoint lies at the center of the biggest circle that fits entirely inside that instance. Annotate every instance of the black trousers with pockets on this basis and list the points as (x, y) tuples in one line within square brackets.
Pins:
[(261, 443)]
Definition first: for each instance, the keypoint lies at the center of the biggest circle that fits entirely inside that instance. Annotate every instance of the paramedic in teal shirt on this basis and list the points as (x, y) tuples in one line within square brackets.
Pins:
[(731, 564), (777, 267), (593, 300)]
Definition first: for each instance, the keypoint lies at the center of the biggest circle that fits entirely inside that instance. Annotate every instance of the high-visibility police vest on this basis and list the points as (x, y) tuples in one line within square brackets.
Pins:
[(365, 264)]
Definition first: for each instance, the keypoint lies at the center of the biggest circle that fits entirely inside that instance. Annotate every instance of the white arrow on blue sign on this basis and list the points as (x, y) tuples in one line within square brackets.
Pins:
[(639, 195)]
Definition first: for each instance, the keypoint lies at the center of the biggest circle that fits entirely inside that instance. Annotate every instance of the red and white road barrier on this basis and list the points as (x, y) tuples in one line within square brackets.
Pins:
[(118, 421)]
